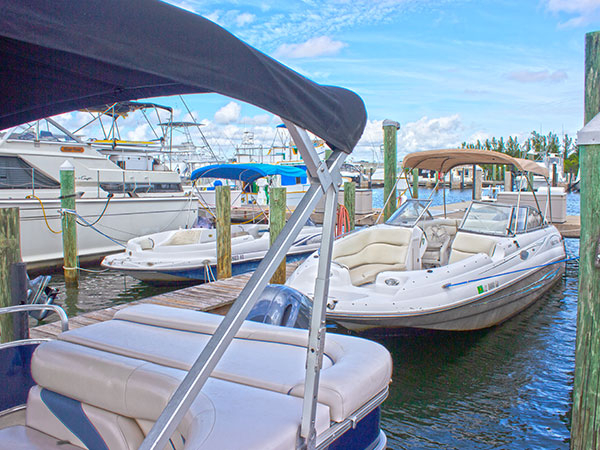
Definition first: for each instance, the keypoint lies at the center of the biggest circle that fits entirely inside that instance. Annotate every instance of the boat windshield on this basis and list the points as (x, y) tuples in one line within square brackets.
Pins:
[(410, 212), (488, 218)]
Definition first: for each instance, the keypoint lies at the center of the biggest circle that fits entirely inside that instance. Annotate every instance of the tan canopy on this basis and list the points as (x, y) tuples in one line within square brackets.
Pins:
[(444, 160)]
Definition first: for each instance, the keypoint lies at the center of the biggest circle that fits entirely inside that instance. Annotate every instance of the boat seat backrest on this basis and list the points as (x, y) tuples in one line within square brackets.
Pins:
[(368, 252), (439, 234), (469, 244)]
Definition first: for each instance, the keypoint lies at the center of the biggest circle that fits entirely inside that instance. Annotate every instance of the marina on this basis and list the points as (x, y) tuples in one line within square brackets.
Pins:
[(440, 378), (356, 284)]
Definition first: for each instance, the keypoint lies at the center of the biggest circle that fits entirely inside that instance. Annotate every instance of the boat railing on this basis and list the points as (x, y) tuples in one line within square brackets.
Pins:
[(64, 320)]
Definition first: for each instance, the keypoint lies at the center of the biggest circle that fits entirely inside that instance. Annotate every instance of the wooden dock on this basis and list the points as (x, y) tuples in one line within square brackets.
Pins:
[(215, 297)]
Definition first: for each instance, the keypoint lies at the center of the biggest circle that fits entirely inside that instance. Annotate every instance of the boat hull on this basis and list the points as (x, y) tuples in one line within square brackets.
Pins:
[(483, 311), (123, 219), (198, 273)]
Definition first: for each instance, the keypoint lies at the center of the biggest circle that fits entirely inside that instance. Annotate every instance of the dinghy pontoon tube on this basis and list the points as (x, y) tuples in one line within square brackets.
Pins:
[(51, 68)]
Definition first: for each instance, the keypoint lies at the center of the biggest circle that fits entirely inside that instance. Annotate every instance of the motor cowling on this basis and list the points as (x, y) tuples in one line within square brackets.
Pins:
[(283, 306)]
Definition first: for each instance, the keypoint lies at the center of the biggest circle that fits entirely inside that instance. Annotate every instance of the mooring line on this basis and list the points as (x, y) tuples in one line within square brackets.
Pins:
[(70, 211), (508, 273)]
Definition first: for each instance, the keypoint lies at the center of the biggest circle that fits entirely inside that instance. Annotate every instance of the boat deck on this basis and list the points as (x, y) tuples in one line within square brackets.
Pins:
[(215, 297)]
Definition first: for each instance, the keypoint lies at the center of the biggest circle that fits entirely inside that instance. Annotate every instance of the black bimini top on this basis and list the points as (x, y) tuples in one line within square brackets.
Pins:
[(63, 55)]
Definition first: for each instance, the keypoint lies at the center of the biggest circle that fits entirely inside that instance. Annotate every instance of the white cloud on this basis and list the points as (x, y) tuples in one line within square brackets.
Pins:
[(423, 134), (573, 6), (533, 76), (426, 134), (229, 113), (317, 46), (585, 11), (140, 133), (245, 19)]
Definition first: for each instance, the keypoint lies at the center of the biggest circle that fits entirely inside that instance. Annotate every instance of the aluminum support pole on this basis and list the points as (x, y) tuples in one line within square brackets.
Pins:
[(195, 379), (316, 334)]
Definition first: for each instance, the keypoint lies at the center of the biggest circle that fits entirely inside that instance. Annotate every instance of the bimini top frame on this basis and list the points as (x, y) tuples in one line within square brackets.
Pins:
[(62, 56), (444, 160)]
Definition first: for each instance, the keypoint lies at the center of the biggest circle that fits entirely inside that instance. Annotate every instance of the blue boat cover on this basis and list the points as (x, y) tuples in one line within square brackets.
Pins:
[(64, 55), (246, 172)]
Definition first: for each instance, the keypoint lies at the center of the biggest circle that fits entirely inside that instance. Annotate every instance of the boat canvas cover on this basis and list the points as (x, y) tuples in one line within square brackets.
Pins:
[(444, 160), (63, 55), (246, 172)]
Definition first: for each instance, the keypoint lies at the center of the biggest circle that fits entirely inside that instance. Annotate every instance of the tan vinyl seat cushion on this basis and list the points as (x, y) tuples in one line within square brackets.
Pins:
[(468, 244), (368, 252), (264, 356)]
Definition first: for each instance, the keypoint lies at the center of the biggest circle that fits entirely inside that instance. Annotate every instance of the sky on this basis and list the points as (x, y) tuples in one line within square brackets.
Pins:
[(448, 71)]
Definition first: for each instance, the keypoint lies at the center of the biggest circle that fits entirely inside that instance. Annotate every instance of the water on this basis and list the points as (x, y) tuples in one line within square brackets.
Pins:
[(508, 387)]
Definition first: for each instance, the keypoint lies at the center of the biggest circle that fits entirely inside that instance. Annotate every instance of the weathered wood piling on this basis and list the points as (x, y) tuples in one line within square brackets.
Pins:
[(69, 224), (585, 429), (390, 158), (350, 203), (277, 205), (10, 254), (223, 224)]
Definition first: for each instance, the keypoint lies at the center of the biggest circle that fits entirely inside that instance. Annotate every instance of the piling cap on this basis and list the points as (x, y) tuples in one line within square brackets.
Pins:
[(590, 134), (391, 123), (67, 165)]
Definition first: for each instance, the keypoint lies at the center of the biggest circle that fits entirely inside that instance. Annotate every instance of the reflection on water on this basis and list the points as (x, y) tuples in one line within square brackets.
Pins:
[(508, 387)]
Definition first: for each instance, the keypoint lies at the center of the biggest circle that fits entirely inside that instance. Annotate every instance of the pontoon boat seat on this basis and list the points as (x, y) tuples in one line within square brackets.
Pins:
[(108, 382), (469, 244), (439, 234), (368, 252)]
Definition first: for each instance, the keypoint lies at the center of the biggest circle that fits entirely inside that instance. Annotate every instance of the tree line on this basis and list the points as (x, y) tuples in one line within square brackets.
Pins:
[(536, 144)]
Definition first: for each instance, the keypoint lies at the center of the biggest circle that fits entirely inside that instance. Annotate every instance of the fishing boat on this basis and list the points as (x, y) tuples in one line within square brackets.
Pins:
[(420, 270), (156, 377), (191, 254)]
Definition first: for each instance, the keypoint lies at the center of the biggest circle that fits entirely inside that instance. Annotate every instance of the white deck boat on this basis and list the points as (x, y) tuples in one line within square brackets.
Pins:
[(154, 377), (191, 254), (421, 271)]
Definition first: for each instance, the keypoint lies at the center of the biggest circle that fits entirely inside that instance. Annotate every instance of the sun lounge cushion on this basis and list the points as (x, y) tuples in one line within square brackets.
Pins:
[(264, 356)]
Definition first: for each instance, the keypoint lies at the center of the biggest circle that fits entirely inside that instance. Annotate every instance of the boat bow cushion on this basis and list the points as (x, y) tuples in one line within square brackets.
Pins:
[(468, 244)]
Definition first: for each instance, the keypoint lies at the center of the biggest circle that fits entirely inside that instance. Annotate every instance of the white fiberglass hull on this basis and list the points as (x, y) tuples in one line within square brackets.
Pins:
[(191, 255), (476, 292), (123, 219)]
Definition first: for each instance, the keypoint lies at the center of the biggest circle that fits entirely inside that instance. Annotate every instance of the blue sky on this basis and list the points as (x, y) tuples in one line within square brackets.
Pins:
[(448, 70)]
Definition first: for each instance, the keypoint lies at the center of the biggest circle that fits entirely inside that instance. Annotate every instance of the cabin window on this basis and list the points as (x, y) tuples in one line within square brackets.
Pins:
[(15, 173)]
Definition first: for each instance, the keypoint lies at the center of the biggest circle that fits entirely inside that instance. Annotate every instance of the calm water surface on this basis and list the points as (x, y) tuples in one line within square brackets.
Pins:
[(508, 387)]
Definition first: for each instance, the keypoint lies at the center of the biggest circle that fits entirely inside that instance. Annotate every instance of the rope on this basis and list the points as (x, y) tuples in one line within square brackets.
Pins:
[(343, 221), (85, 270), (208, 275), (70, 211), (509, 273), (101, 214), (44, 213), (260, 214)]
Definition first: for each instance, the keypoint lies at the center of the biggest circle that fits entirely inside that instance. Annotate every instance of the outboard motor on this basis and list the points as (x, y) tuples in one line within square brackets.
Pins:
[(282, 305)]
